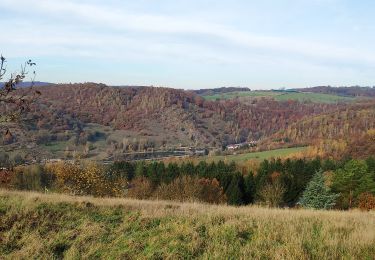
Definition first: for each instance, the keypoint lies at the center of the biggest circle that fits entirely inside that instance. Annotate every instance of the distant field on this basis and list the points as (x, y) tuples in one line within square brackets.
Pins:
[(283, 96), (55, 147), (56, 226), (313, 97), (258, 155), (231, 95)]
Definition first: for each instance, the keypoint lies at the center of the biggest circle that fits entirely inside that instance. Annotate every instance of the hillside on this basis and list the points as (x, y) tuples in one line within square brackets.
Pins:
[(346, 124), (60, 226), (99, 121), (301, 96)]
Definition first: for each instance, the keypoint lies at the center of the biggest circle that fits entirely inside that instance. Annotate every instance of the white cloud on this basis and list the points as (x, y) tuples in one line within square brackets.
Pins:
[(117, 19), (70, 28)]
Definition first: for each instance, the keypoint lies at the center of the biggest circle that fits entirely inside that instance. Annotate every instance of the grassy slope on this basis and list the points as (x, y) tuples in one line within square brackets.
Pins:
[(314, 97), (280, 96), (258, 155), (56, 226), (231, 95)]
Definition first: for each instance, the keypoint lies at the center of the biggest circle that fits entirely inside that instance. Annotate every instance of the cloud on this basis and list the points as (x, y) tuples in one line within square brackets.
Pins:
[(116, 32), (119, 20)]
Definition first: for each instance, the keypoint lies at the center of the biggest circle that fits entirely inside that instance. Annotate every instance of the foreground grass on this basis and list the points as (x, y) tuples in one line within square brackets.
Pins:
[(277, 153), (35, 225)]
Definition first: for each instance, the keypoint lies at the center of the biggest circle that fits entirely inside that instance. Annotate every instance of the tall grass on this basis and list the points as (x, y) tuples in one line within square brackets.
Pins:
[(34, 225)]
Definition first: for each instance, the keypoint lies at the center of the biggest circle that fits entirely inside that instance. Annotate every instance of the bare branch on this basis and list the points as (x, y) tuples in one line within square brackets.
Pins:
[(19, 103)]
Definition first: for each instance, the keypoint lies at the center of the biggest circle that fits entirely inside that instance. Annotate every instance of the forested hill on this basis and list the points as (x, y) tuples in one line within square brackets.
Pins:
[(103, 119), (168, 110)]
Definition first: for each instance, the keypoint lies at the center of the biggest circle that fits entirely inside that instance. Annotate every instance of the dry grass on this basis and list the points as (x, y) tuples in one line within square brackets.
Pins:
[(55, 225)]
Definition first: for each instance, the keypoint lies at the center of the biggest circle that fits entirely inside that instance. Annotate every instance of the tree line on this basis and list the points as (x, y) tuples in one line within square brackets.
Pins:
[(341, 184)]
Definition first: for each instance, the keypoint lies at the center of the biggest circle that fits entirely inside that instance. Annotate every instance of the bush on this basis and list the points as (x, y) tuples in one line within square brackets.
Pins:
[(5, 178), (272, 194), (90, 179), (366, 201), (188, 188), (34, 177), (140, 188)]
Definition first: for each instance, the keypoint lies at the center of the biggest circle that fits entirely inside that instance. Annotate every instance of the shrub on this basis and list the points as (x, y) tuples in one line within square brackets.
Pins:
[(33, 177), (5, 178), (272, 194), (90, 179), (140, 188), (366, 201), (210, 191), (188, 188)]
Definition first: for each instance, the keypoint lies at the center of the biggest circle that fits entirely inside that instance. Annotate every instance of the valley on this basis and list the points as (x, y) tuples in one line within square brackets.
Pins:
[(99, 122)]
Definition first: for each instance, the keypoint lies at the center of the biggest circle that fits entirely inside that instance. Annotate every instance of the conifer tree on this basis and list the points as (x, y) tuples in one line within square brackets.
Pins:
[(235, 191), (249, 188), (317, 195)]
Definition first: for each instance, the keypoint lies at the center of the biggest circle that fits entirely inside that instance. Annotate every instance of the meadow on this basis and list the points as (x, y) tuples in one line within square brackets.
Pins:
[(55, 226), (277, 153), (282, 96)]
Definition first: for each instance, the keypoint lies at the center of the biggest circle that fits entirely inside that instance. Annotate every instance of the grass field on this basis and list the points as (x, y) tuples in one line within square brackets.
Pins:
[(40, 226), (283, 96), (278, 153), (56, 147), (313, 97), (231, 95)]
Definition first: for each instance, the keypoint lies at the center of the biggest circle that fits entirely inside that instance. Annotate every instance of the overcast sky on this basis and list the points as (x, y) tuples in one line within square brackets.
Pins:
[(193, 43)]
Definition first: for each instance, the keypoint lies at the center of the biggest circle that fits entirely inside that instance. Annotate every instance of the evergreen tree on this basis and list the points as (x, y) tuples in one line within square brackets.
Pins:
[(352, 180), (152, 173), (172, 172), (235, 191), (123, 169), (371, 166), (140, 169), (317, 195), (249, 188)]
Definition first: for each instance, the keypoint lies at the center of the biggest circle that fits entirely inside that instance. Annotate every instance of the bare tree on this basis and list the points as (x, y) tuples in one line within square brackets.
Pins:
[(15, 104)]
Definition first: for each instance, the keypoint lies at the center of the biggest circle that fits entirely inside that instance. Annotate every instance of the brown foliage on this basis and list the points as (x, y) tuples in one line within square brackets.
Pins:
[(15, 105), (140, 188), (366, 201), (188, 188), (205, 121), (272, 194), (5, 178), (88, 179), (362, 146)]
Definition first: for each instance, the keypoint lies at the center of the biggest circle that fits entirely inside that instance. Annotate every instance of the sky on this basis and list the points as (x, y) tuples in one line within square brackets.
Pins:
[(193, 44)]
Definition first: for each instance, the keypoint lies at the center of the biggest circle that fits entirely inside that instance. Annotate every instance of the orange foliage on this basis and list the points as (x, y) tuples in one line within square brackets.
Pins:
[(5, 178), (366, 201), (188, 188), (275, 177), (140, 188), (89, 179)]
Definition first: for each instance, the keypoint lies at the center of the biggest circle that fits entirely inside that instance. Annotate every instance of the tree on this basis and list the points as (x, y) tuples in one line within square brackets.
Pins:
[(272, 194), (4, 159), (249, 188), (235, 191), (16, 104), (352, 180), (317, 195), (140, 169), (366, 201)]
